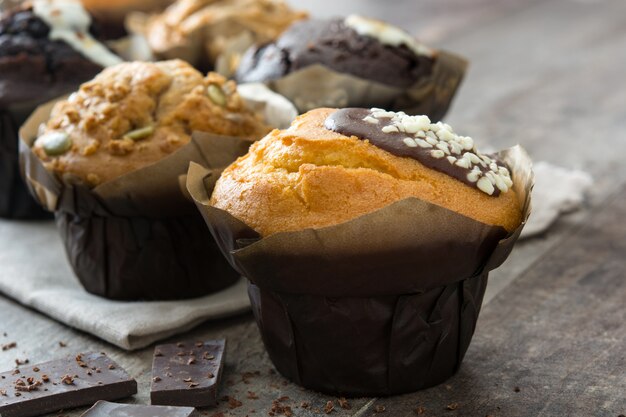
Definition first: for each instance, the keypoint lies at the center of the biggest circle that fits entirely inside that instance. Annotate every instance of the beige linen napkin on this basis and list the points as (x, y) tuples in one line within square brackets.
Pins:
[(35, 272)]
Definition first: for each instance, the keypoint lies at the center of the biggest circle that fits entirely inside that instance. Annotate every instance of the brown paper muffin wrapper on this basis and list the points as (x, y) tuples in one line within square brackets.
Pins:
[(384, 304), (138, 236), (15, 200), (319, 86)]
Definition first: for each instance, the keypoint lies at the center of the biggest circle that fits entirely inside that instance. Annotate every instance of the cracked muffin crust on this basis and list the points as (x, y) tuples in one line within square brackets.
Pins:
[(134, 114), (199, 31), (310, 177)]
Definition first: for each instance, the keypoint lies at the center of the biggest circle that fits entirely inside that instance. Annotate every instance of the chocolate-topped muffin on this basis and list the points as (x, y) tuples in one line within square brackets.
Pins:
[(373, 229), (47, 48), (344, 45), (355, 62)]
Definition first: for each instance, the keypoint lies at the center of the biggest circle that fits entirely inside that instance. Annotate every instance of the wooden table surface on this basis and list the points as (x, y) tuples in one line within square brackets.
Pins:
[(551, 339)]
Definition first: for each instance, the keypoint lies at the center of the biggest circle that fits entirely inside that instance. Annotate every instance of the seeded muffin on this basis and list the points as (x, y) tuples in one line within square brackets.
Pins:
[(199, 31), (331, 166), (134, 114)]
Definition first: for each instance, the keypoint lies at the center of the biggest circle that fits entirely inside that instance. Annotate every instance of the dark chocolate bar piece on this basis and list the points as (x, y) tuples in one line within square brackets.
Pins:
[(62, 384), (107, 409), (187, 373)]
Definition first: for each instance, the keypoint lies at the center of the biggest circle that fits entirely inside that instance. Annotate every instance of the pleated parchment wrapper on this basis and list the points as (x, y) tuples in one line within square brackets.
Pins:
[(138, 236), (15, 200), (319, 86), (384, 304)]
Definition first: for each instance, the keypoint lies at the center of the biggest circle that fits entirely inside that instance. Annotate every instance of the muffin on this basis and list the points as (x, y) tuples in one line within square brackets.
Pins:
[(40, 59), (135, 114), (332, 166), (109, 161), (212, 34), (112, 14), (344, 59), (367, 237)]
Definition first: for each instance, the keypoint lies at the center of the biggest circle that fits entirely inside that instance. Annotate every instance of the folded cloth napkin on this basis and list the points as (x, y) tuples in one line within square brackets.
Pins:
[(35, 273), (557, 190)]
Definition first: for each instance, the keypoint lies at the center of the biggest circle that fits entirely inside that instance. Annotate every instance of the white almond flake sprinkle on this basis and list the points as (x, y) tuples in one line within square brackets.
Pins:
[(390, 129), (421, 132), (437, 154), (422, 143), (485, 185), (473, 176), (464, 163), (410, 142), (501, 184), (443, 146)]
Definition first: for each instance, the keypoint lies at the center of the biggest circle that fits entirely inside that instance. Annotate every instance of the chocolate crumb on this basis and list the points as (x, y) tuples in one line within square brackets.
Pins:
[(379, 409), (343, 403), (191, 361), (181, 353), (3, 392), (111, 366), (17, 371), (516, 389), (9, 346), (45, 378), (158, 353), (19, 362), (329, 407), (452, 406), (67, 380), (234, 403), (157, 379), (208, 356), (17, 394), (252, 395), (187, 379), (35, 369), (62, 344), (210, 375), (199, 344), (283, 399), (193, 384), (305, 404), (278, 409), (419, 410)]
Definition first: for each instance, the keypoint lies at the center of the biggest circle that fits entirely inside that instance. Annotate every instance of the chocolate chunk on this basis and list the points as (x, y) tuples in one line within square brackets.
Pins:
[(176, 381), (62, 384), (107, 409)]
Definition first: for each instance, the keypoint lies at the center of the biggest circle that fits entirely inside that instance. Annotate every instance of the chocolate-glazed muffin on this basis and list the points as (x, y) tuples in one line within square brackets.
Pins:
[(375, 230), (47, 48), (344, 45), (355, 62)]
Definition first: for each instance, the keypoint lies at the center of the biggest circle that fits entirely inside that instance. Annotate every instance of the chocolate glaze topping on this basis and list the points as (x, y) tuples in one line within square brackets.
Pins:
[(434, 145)]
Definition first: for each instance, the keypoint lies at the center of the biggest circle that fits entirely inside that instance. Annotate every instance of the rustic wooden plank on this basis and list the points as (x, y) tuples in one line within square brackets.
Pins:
[(553, 342)]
